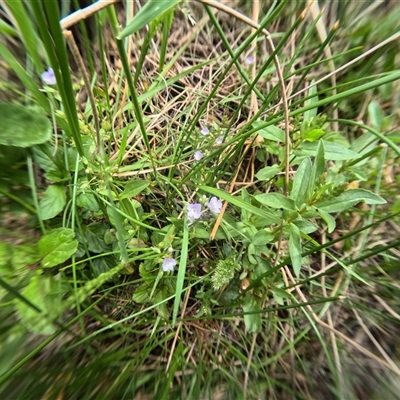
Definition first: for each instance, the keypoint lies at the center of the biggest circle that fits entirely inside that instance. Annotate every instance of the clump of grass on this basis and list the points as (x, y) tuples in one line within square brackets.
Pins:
[(215, 209)]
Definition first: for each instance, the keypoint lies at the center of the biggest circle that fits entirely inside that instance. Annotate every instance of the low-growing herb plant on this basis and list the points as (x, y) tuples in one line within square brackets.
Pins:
[(185, 205)]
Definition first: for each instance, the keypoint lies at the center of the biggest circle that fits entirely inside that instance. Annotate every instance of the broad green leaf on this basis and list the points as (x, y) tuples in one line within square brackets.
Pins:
[(276, 200), (301, 183), (348, 199), (24, 256), (313, 135), (87, 200), (306, 226), (265, 174), (94, 234), (103, 264), (252, 321), (44, 291), (23, 127), (141, 294), (262, 237), (133, 188), (53, 201), (375, 114), (270, 132), (330, 221), (333, 151), (57, 246), (151, 10), (268, 216), (295, 248)]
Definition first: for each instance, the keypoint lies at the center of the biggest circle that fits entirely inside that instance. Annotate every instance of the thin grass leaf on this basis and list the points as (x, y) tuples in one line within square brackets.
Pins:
[(181, 271), (151, 10)]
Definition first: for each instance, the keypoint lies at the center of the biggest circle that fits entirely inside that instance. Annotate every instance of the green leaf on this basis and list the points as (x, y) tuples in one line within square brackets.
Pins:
[(87, 200), (53, 201), (23, 127), (268, 216), (270, 132), (295, 248), (306, 226), (252, 321), (330, 221), (333, 151), (94, 234), (57, 246), (133, 188), (301, 183), (348, 199), (45, 293), (265, 174), (313, 135), (318, 168), (276, 200), (311, 113), (262, 237), (151, 10), (141, 294), (375, 114)]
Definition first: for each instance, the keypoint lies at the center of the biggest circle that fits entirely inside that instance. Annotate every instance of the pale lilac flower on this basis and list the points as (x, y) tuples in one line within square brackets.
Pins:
[(193, 212), (198, 155), (249, 60), (168, 264), (215, 205), (219, 140), (48, 77), (205, 131)]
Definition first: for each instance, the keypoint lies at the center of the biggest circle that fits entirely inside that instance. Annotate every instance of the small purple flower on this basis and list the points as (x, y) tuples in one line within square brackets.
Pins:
[(168, 264), (198, 155), (215, 205), (205, 131), (249, 60), (193, 212), (219, 140), (48, 77)]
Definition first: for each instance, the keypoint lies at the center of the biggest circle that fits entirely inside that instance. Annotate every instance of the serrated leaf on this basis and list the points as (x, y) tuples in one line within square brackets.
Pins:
[(348, 199), (87, 200), (265, 174), (333, 151), (57, 246), (133, 188), (53, 201), (252, 321), (141, 294), (301, 183), (276, 200), (45, 293), (23, 127), (94, 234), (295, 248), (270, 132), (151, 10)]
